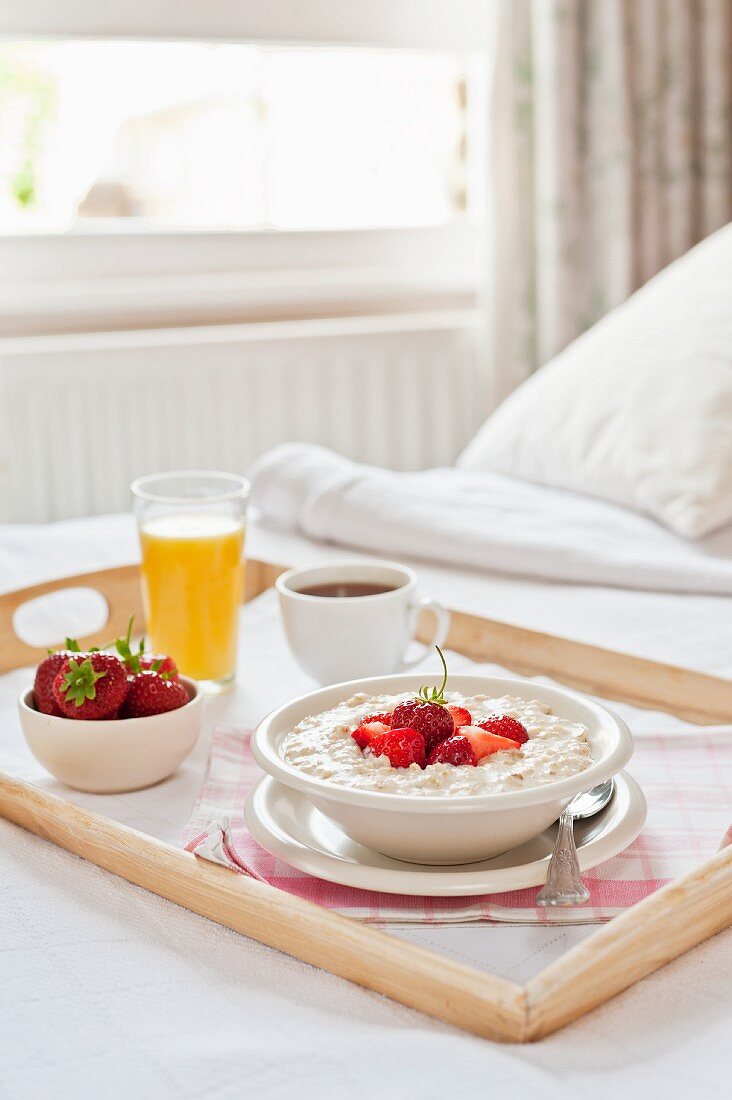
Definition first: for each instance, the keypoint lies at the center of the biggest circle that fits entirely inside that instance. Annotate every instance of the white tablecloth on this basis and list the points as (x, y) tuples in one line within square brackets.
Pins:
[(108, 991)]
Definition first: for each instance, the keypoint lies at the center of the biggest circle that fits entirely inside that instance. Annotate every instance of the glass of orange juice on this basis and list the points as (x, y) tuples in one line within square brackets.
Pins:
[(191, 527)]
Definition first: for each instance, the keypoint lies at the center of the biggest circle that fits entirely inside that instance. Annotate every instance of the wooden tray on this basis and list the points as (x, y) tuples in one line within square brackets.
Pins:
[(659, 929)]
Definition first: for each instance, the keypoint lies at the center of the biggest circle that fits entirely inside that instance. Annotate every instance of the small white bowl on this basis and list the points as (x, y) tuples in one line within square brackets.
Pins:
[(445, 829), (120, 754)]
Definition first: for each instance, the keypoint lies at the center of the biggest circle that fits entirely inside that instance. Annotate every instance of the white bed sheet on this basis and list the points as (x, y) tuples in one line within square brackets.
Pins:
[(107, 990)]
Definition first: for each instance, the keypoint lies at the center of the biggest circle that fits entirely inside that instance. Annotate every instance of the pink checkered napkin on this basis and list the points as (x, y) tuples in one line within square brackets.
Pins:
[(683, 777)]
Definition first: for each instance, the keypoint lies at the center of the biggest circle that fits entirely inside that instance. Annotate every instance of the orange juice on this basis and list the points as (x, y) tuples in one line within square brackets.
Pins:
[(192, 586)]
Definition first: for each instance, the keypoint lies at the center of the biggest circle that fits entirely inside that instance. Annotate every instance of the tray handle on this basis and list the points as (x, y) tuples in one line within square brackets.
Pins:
[(120, 588)]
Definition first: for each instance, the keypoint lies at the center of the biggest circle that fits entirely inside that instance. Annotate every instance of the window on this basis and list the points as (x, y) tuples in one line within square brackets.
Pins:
[(229, 136), (182, 163)]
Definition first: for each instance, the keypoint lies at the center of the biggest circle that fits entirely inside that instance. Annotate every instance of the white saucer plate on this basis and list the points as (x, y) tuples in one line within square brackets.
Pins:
[(287, 826)]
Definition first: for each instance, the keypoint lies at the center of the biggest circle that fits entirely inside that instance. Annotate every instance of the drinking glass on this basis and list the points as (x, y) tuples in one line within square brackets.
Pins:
[(191, 526)]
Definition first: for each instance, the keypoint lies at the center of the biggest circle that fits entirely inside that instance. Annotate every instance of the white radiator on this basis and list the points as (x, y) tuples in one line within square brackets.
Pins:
[(87, 414)]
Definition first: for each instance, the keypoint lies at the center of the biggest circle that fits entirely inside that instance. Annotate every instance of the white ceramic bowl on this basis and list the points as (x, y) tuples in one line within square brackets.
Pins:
[(444, 829), (121, 754)]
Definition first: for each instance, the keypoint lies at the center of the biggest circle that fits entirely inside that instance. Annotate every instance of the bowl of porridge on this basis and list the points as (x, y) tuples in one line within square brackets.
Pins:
[(457, 775)]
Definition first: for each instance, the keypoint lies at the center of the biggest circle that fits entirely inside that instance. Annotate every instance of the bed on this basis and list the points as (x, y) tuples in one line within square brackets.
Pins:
[(107, 989)]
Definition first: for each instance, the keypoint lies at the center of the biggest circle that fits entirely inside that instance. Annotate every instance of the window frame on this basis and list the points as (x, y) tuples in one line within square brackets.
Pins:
[(101, 276), (416, 24)]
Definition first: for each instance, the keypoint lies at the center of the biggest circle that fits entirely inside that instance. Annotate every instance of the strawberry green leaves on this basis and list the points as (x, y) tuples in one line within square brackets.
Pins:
[(436, 695), (123, 646), (80, 681)]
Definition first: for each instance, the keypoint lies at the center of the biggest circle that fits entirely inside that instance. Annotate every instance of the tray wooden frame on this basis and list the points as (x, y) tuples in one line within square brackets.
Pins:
[(644, 938)]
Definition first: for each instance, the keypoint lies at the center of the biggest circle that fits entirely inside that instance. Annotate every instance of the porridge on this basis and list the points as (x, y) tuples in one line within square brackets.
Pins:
[(444, 744)]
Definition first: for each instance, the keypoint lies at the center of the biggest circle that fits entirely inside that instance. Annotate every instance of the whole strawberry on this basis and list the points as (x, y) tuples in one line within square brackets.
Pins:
[(158, 662), (46, 673), (429, 714), (140, 661), (153, 693), (90, 687), (433, 721)]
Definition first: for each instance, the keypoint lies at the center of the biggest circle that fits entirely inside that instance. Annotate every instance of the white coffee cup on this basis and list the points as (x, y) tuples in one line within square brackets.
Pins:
[(336, 638)]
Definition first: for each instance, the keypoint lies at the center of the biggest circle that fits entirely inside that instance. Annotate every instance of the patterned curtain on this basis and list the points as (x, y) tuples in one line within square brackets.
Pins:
[(612, 156)]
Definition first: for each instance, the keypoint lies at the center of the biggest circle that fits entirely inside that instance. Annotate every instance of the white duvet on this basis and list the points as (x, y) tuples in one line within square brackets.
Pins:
[(482, 520)]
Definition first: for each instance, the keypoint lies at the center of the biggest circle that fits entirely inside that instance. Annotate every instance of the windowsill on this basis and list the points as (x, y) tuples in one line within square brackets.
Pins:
[(96, 281), (161, 301), (208, 336)]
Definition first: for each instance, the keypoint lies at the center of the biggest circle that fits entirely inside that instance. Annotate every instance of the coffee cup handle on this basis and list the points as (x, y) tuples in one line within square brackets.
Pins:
[(442, 625)]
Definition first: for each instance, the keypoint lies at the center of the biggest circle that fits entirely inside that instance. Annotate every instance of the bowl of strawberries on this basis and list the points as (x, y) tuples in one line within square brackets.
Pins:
[(110, 720)]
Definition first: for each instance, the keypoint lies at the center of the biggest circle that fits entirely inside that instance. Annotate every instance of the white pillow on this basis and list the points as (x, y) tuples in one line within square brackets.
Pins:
[(638, 410)]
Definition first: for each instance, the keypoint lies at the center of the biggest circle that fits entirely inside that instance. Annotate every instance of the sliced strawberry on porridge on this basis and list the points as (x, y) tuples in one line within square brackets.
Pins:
[(505, 726), (485, 744), (384, 718), (402, 746), (455, 750), (370, 727), (460, 716)]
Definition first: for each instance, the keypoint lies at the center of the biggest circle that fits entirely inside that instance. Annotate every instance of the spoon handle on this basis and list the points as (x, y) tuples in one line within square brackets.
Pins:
[(563, 883)]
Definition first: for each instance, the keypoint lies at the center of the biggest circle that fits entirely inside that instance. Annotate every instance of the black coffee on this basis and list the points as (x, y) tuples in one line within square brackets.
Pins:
[(347, 589)]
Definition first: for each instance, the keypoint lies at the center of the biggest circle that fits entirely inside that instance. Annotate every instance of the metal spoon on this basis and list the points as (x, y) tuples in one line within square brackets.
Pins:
[(563, 883)]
